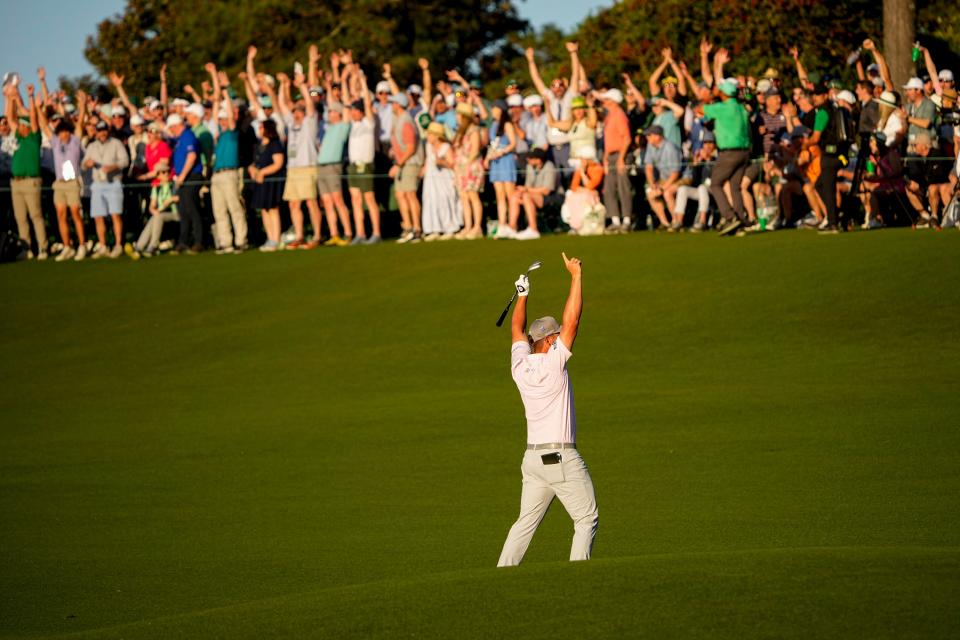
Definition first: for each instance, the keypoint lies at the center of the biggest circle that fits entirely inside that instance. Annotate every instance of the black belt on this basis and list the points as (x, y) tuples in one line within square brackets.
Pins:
[(25, 178)]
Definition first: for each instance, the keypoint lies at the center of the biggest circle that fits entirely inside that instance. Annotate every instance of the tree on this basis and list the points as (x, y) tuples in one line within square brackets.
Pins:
[(899, 17), (184, 35)]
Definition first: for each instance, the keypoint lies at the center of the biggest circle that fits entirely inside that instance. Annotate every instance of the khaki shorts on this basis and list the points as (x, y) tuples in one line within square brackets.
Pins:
[(360, 177), (301, 184), (408, 178), (66, 193), (329, 179)]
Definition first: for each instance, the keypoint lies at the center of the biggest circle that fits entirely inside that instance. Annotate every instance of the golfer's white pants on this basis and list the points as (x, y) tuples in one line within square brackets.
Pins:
[(568, 480), (684, 193)]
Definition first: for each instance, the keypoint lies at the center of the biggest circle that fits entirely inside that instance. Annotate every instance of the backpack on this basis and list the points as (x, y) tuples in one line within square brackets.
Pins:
[(12, 248)]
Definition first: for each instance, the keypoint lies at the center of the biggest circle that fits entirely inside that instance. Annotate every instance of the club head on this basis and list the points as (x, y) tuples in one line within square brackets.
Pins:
[(533, 267)]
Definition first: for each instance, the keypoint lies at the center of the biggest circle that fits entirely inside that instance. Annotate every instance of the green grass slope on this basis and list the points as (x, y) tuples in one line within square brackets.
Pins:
[(328, 442)]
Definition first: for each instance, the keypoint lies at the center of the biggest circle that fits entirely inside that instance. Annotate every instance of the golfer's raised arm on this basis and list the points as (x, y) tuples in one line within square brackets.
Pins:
[(571, 311), (518, 324)]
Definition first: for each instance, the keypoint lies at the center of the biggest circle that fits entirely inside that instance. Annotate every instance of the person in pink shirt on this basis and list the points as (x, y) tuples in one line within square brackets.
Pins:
[(157, 149)]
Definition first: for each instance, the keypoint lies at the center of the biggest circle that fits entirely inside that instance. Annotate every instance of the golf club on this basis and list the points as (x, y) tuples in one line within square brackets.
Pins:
[(536, 265)]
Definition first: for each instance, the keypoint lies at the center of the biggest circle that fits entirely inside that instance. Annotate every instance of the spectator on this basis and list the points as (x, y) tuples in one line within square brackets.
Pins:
[(227, 178), (194, 115), (731, 128), (300, 121), (662, 164), (384, 110), (162, 209), (8, 145), (441, 211), (107, 158), (268, 172), (617, 196), (697, 179), (581, 129), (558, 102), (891, 124), (330, 160), (582, 194), (469, 172), (188, 176), (921, 115), (535, 124), (540, 181), (407, 159), (885, 180), (361, 149), (668, 115), (25, 169), (674, 87), (67, 152), (501, 161), (926, 176)]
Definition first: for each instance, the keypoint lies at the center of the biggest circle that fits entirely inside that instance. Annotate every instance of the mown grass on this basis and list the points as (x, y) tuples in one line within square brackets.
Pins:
[(327, 443)]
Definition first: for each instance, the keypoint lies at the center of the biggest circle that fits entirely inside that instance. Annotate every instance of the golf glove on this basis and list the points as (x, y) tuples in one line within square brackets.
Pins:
[(523, 286)]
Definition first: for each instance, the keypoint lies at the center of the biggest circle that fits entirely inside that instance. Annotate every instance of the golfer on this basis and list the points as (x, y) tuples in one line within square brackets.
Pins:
[(551, 466)]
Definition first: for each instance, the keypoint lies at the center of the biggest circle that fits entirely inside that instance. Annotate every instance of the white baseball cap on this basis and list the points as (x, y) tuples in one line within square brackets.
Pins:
[(119, 111), (136, 120), (847, 97), (415, 88), (223, 114), (532, 101), (180, 102), (174, 119), (195, 109), (914, 83), (383, 87), (155, 105), (514, 100), (945, 75), (612, 94)]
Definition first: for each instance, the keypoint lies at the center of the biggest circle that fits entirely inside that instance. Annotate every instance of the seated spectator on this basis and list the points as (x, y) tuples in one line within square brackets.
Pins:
[(163, 209), (886, 178), (540, 182), (926, 176), (582, 194), (695, 184), (662, 164), (441, 209)]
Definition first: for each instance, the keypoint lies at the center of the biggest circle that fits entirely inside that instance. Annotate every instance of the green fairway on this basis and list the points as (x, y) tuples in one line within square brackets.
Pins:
[(328, 443)]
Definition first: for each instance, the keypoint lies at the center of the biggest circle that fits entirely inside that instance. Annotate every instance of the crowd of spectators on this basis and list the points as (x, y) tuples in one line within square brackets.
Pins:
[(221, 169)]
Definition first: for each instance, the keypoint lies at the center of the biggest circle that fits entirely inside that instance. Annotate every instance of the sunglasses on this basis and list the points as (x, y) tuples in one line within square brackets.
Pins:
[(163, 172)]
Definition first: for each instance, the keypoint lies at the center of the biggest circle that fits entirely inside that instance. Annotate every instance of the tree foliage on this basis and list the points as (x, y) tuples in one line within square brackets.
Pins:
[(186, 34)]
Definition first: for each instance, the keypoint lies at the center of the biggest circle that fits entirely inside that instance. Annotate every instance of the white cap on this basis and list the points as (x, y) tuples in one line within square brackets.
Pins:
[(154, 105), (532, 101), (106, 110), (180, 102), (878, 82), (415, 88), (847, 97), (587, 152), (514, 100), (763, 85), (269, 80), (383, 87), (174, 119), (136, 120), (119, 110), (945, 75), (914, 83), (612, 94), (223, 114), (195, 109)]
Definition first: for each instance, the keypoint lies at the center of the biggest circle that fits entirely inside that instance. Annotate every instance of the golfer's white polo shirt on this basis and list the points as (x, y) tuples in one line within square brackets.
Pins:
[(546, 392)]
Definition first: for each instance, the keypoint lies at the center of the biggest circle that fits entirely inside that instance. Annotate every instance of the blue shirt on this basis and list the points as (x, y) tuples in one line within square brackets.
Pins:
[(186, 144), (448, 119), (334, 139), (228, 151), (665, 160)]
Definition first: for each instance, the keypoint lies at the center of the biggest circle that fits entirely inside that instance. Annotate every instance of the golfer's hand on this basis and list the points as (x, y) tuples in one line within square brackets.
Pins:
[(523, 286), (573, 265)]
